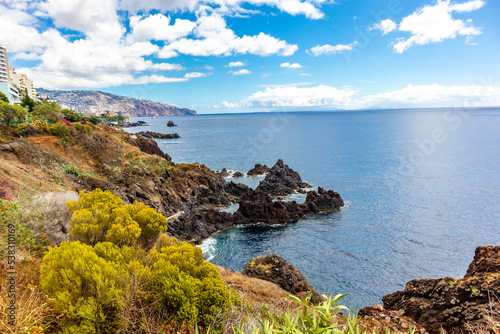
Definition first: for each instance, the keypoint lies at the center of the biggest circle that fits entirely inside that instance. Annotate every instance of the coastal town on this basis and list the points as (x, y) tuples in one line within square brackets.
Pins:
[(17, 86)]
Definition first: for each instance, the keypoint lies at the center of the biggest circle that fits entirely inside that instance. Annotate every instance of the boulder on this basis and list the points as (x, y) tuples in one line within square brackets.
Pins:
[(272, 268), (171, 124), (238, 175), (465, 305), (223, 173), (281, 181), (259, 170)]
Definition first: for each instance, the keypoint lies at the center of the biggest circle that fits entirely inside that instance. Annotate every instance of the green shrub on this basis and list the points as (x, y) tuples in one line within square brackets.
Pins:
[(25, 129), (101, 216), (12, 114), (60, 130), (188, 288), (84, 287)]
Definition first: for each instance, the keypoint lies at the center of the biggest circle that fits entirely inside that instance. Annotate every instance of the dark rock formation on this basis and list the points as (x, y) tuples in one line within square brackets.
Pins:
[(150, 146), (171, 123), (281, 181), (237, 175), (464, 305), (272, 268), (223, 173), (157, 135), (254, 207), (259, 170)]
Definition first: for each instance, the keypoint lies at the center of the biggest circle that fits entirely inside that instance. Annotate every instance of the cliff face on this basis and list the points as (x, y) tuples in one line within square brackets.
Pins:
[(134, 107)]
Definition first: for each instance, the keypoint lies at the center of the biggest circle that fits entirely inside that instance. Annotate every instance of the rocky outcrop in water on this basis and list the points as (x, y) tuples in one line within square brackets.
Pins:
[(223, 172), (282, 181), (238, 175), (465, 305), (157, 135), (259, 170), (254, 207), (171, 124), (272, 268)]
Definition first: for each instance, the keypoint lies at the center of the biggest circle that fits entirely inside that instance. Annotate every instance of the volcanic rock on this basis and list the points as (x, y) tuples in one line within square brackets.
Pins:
[(223, 173), (272, 268), (157, 135), (464, 305), (281, 181), (171, 123), (259, 170), (237, 175), (150, 146)]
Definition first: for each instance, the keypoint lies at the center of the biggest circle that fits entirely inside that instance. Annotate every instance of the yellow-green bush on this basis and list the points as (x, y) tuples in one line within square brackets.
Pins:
[(95, 287), (60, 130), (85, 288), (101, 216), (188, 288)]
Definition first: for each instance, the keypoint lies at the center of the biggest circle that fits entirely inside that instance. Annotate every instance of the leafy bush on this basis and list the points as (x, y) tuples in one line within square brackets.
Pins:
[(84, 287), (101, 216), (12, 114), (49, 111), (25, 129), (97, 288), (187, 287), (59, 130), (41, 126)]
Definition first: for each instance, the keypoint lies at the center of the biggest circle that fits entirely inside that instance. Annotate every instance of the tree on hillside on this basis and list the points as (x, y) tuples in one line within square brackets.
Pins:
[(71, 116), (50, 111), (4, 97), (28, 102), (10, 113)]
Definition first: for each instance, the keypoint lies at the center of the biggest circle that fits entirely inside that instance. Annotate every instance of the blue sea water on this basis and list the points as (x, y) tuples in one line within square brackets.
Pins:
[(421, 187)]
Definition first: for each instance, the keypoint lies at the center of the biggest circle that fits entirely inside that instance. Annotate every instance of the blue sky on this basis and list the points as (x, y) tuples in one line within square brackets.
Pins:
[(221, 56)]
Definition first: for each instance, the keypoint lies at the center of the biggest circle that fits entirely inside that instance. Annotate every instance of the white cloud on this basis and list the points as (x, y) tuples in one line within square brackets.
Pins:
[(167, 67), (243, 71), (193, 75), (93, 49), (436, 95), (97, 19), (157, 27), (434, 24), (327, 97), (235, 64), (385, 26), (308, 8), (319, 96), (214, 38), (291, 66), (230, 104), (328, 49)]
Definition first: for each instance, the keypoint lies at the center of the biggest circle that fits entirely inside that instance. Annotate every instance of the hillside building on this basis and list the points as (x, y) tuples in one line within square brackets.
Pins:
[(12, 92)]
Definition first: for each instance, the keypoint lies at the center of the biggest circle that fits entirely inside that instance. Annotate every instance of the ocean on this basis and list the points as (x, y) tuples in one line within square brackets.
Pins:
[(421, 191)]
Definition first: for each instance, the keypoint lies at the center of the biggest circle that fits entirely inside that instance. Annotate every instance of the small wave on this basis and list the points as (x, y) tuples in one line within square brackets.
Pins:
[(208, 248), (170, 142)]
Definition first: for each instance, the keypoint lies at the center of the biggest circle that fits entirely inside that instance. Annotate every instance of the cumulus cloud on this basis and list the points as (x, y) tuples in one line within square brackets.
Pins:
[(213, 37), (243, 71), (434, 24), (94, 46), (328, 97), (157, 27), (309, 8), (291, 66), (385, 26), (235, 64), (436, 95), (319, 96), (328, 49)]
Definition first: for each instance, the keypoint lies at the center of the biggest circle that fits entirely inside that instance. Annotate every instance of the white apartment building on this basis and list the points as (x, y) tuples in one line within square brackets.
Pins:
[(6, 86), (4, 65)]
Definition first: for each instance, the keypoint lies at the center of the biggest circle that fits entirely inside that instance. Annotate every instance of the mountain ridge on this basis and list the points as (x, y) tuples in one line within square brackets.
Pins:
[(103, 101)]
